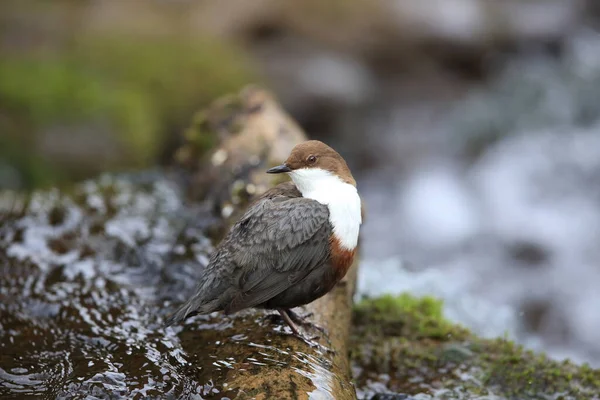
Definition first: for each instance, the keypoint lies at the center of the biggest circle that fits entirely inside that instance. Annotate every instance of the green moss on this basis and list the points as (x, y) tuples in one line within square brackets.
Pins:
[(525, 373), (198, 137), (225, 116), (408, 339), (407, 316), (179, 73), (127, 96), (41, 95)]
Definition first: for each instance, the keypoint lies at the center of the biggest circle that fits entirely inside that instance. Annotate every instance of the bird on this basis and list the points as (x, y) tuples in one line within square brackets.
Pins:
[(292, 245)]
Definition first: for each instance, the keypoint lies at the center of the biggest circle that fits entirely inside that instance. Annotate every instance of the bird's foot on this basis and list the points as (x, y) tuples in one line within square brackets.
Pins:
[(295, 319), (301, 320), (311, 341)]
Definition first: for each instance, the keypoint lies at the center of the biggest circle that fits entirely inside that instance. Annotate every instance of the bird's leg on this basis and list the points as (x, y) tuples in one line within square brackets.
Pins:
[(294, 316), (288, 320), (302, 320), (285, 314)]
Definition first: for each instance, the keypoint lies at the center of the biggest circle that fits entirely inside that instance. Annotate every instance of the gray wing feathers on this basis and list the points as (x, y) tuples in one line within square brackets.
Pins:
[(285, 224), (277, 245)]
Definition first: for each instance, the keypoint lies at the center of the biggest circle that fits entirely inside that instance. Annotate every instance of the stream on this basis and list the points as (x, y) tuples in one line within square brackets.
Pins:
[(491, 201)]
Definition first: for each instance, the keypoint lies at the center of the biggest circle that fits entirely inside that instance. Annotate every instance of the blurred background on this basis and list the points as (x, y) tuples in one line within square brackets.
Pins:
[(472, 126)]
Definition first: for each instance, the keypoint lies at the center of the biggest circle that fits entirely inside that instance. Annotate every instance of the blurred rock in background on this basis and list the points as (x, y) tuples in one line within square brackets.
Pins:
[(472, 124)]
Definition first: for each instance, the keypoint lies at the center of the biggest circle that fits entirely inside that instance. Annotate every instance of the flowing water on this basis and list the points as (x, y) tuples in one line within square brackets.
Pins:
[(492, 202), (85, 283)]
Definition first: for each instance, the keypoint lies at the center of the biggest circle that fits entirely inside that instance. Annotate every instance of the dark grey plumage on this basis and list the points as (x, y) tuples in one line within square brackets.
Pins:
[(270, 258)]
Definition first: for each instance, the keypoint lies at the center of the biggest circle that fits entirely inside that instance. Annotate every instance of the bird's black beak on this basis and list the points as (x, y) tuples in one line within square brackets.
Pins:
[(279, 169)]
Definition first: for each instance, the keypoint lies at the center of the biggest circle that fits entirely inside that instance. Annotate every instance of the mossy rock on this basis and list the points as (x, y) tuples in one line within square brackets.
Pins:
[(412, 318), (405, 345)]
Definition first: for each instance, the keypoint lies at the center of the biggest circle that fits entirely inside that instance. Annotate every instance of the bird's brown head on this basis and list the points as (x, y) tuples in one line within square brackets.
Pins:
[(314, 154)]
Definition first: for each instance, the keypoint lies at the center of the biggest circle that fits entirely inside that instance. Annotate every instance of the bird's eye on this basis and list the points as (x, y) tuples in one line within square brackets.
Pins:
[(311, 159)]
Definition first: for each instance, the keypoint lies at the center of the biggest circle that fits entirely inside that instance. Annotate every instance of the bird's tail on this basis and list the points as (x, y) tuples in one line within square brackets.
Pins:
[(178, 316), (190, 308)]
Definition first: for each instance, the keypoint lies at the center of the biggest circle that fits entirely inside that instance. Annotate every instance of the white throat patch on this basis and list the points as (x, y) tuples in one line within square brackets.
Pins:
[(340, 197)]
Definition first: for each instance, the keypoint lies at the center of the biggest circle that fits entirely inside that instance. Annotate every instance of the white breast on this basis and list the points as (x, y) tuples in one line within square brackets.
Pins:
[(340, 197)]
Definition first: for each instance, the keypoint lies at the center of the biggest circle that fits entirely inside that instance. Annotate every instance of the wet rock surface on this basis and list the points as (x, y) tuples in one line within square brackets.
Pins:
[(85, 284)]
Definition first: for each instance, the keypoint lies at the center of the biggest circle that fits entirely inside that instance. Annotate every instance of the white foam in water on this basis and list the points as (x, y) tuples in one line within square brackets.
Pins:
[(438, 209)]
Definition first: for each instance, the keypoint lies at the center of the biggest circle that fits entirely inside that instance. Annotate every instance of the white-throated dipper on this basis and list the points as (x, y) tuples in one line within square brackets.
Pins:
[(293, 244)]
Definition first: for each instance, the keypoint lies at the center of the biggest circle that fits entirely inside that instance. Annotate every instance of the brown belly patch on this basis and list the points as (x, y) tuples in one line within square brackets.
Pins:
[(341, 258)]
